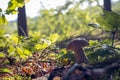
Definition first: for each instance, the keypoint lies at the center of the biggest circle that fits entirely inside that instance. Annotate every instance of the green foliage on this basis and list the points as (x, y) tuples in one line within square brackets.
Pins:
[(69, 23), (109, 21), (56, 25), (65, 58), (2, 54), (99, 52), (115, 7), (13, 5), (4, 70), (2, 19), (17, 48), (16, 77), (53, 37)]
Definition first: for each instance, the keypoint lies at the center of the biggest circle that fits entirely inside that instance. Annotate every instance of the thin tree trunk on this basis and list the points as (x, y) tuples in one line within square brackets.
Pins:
[(107, 5), (22, 23)]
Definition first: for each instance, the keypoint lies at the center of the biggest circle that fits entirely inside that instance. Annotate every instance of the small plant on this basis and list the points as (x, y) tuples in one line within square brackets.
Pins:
[(17, 51), (109, 22), (101, 51)]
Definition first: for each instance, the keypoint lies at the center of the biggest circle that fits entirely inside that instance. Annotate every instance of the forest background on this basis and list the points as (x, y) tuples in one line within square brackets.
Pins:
[(50, 32)]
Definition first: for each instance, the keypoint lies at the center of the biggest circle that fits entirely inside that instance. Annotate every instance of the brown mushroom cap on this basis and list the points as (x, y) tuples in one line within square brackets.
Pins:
[(77, 44)]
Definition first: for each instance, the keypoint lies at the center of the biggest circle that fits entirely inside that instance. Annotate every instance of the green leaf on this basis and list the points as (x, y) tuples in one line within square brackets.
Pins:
[(19, 50), (93, 42), (13, 5), (53, 37), (23, 56), (11, 49), (109, 21), (38, 46), (27, 52), (2, 54), (5, 70), (11, 12), (20, 3), (4, 19), (0, 10), (45, 45)]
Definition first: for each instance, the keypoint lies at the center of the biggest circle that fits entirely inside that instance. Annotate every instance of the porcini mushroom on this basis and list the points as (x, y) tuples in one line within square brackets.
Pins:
[(77, 46)]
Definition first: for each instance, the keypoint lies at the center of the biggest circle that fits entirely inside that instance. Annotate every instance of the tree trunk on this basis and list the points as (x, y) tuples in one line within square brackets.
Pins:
[(107, 5), (22, 23)]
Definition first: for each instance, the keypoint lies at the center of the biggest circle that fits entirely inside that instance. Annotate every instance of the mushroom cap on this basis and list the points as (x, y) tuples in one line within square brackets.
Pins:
[(77, 44)]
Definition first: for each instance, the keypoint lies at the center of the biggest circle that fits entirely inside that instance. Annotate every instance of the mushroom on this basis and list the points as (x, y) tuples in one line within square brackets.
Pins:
[(77, 46)]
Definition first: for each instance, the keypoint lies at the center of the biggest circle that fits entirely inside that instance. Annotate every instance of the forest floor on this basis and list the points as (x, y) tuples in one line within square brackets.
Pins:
[(45, 77)]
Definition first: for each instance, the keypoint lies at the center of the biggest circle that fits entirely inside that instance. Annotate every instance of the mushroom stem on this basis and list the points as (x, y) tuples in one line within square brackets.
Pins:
[(80, 56)]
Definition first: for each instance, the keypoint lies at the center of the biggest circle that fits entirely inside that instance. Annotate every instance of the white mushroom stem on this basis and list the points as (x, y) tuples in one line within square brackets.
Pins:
[(80, 56)]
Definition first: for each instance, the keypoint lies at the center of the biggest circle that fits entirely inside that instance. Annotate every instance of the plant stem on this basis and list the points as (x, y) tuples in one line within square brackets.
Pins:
[(113, 37)]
